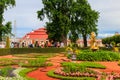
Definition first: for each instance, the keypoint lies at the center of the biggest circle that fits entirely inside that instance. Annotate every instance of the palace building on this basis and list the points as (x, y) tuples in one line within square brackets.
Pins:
[(39, 35)]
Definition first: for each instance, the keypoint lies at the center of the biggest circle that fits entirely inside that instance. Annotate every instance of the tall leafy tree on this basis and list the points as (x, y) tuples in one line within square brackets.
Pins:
[(75, 16), (85, 19), (5, 29), (58, 12)]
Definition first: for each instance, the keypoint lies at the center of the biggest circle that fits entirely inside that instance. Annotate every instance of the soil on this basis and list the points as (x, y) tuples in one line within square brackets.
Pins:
[(110, 67), (41, 73)]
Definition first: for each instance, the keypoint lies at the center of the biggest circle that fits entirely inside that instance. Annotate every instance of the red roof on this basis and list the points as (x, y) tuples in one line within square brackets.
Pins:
[(37, 34)]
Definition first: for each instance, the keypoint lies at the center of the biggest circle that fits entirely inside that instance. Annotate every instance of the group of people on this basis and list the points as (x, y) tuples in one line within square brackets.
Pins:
[(41, 44)]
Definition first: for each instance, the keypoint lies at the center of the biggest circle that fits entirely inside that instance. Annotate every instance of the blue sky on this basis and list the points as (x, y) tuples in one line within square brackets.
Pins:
[(24, 13)]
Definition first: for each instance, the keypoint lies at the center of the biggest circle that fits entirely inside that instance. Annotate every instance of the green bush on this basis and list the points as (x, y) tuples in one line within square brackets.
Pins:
[(98, 56), (81, 67), (36, 50), (41, 62), (4, 51), (108, 40), (6, 72), (106, 49), (73, 67), (92, 65), (8, 51)]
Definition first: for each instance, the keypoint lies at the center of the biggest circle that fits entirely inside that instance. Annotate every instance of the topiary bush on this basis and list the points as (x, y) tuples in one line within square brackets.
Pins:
[(36, 50), (9, 51), (4, 51)]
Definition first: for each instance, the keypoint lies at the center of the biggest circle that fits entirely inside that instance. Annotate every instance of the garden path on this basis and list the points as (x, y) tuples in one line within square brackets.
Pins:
[(41, 73), (110, 67)]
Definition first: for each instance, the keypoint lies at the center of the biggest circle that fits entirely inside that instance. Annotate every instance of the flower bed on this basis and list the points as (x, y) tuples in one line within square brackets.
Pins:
[(51, 74)]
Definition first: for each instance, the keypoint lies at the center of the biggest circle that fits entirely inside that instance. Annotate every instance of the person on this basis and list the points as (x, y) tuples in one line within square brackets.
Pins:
[(36, 44), (12, 45), (58, 44), (23, 44), (61, 44), (30, 45), (42, 44), (49, 44)]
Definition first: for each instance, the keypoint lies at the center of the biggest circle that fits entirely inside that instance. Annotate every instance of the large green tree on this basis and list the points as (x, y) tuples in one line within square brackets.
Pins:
[(84, 19), (5, 29), (58, 12), (74, 16)]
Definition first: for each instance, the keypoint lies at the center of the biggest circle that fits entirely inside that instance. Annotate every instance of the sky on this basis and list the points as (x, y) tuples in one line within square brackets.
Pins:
[(25, 16)]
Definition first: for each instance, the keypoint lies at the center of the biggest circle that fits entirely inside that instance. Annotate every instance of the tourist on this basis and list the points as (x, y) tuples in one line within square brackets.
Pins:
[(61, 44)]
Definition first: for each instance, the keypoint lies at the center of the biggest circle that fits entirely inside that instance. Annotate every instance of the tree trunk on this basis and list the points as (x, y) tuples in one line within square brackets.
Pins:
[(0, 36), (64, 39), (85, 40)]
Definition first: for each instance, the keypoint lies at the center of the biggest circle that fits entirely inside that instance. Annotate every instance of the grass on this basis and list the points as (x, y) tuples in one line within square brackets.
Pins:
[(7, 62), (40, 62), (33, 60), (92, 65), (35, 55), (23, 73), (86, 64)]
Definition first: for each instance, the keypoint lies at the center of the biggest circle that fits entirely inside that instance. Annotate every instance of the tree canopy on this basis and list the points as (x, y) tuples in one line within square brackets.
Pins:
[(85, 19), (5, 29), (74, 16), (109, 40)]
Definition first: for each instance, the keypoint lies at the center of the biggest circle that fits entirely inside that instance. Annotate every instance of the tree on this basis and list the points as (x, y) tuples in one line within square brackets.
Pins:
[(58, 12), (5, 29), (75, 16), (85, 19)]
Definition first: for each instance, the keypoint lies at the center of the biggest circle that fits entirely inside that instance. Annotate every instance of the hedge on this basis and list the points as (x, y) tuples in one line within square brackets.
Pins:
[(4, 51), (30, 50)]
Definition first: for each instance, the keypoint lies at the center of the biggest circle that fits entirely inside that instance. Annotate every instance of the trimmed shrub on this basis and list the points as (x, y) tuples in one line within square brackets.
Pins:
[(4, 51), (73, 67), (36, 50), (8, 51), (40, 62), (92, 65), (98, 56)]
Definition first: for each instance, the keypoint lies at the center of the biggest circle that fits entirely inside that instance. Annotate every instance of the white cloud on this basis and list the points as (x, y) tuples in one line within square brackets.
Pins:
[(26, 17), (105, 35)]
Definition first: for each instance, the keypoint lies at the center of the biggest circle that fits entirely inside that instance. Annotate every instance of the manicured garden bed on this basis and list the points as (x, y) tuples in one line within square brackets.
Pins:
[(100, 55)]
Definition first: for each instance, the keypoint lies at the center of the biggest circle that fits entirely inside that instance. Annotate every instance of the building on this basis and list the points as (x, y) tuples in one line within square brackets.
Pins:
[(41, 37), (38, 35)]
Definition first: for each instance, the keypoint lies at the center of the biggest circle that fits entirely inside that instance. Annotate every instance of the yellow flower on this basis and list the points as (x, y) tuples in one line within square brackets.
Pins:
[(77, 51), (69, 49)]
